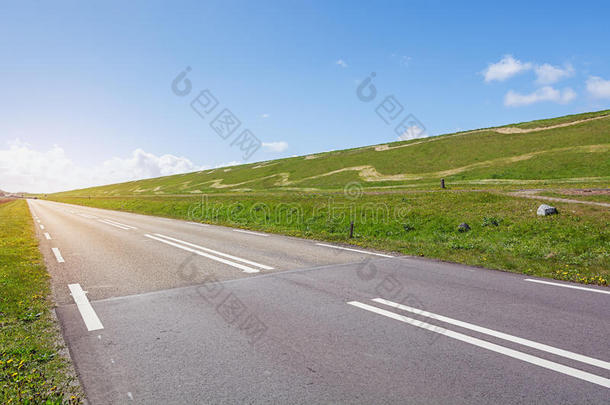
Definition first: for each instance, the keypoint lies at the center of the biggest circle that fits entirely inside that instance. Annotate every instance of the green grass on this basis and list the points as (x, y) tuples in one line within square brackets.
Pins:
[(32, 370), (577, 153), (506, 234)]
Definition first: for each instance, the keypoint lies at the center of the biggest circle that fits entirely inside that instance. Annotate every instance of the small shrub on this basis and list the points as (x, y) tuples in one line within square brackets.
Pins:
[(408, 227), (491, 221)]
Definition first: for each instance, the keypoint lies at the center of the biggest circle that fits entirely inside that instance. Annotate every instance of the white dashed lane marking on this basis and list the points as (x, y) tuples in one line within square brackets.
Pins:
[(201, 251), (119, 223), (58, 256), (92, 322), (528, 358), (111, 224), (353, 250), (249, 232)]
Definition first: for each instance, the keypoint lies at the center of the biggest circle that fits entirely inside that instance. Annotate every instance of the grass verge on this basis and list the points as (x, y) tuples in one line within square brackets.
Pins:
[(505, 234), (32, 370)]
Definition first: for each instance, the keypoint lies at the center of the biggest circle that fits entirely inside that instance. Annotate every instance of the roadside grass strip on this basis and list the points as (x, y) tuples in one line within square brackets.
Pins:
[(557, 367), (32, 367), (213, 254)]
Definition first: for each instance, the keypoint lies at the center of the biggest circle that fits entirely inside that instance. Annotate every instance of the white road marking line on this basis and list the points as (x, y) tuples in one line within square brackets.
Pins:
[(46, 235), (84, 306), (239, 259), (197, 223), (353, 250), (500, 335), (560, 368), (249, 232), (200, 253), (120, 224), (58, 256), (41, 226), (568, 286), (38, 220), (111, 224), (87, 216)]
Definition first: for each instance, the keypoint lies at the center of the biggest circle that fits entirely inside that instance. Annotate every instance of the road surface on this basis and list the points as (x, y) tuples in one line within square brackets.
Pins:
[(155, 310)]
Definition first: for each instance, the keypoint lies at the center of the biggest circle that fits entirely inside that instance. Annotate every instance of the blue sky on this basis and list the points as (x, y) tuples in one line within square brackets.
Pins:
[(87, 87)]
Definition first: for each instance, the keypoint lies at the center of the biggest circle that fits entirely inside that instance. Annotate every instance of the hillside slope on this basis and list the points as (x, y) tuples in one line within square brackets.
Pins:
[(573, 147)]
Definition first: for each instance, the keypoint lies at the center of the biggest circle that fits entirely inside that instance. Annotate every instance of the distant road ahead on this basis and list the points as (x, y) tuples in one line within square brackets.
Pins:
[(165, 311)]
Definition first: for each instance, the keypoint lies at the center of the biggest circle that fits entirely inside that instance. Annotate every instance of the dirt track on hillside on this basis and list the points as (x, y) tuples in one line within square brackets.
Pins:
[(501, 130), (533, 194)]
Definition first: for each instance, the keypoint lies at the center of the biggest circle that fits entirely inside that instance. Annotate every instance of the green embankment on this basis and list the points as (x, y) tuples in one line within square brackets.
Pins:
[(32, 370), (577, 153), (396, 179)]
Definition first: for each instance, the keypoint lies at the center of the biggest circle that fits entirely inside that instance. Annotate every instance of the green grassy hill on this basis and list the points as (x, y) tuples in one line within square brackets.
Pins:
[(397, 204), (572, 148)]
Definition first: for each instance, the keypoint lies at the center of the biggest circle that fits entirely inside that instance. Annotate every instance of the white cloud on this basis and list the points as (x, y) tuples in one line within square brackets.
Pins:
[(228, 164), (405, 61), (413, 132), (142, 164), (547, 93), (506, 68), (549, 74), (275, 146), (265, 116), (598, 87), (341, 63), (25, 169)]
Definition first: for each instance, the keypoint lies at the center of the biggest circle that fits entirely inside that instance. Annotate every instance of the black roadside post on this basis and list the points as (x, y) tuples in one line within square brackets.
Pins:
[(351, 229), (442, 183)]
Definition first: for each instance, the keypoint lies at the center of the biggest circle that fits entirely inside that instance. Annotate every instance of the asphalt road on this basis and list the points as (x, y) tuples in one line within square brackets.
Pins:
[(166, 311)]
